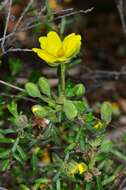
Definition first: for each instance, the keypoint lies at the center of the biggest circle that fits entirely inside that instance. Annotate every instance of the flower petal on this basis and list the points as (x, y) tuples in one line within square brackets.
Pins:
[(43, 42), (45, 55), (71, 44), (54, 43)]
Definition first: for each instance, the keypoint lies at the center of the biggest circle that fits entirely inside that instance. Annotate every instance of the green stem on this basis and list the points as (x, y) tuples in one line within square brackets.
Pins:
[(88, 186), (48, 100), (62, 80), (99, 184)]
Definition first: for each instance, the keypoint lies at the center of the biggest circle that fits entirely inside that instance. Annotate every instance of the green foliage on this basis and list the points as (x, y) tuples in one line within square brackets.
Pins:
[(44, 86), (32, 90), (79, 90), (70, 109), (16, 66), (39, 111), (106, 112), (106, 146)]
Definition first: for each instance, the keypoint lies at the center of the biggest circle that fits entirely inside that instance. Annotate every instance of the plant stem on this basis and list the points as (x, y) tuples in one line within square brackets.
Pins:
[(88, 186), (62, 80), (99, 185)]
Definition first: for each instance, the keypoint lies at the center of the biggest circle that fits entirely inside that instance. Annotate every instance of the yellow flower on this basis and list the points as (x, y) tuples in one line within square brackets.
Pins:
[(46, 158), (75, 168), (54, 51), (82, 167), (98, 125), (116, 109)]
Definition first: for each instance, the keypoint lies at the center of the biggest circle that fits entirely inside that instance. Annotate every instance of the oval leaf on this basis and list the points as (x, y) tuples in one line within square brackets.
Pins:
[(32, 90), (106, 112), (106, 146), (70, 109), (79, 90), (39, 111), (44, 86)]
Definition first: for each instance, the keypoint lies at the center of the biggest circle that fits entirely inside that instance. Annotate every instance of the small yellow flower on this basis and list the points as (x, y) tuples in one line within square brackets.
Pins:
[(82, 168), (54, 51), (46, 158), (98, 125), (75, 168), (116, 109)]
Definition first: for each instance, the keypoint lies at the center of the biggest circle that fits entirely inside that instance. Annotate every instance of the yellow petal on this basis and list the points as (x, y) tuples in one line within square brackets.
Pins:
[(68, 37), (71, 44), (54, 43), (82, 168), (45, 55), (43, 42), (63, 59)]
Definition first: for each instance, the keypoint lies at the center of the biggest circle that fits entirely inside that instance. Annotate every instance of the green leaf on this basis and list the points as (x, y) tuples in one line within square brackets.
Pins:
[(106, 112), (79, 89), (5, 165), (58, 185), (24, 187), (22, 153), (40, 181), (16, 66), (44, 86), (70, 109), (6, 131), (70, 147), (32, 90), (52, 133), (6, 140), (69, 89), (39, 111), (15, 145), (12, 107), (4, 153), (34, 162), (106, 146), (80, 105), (18, 158)]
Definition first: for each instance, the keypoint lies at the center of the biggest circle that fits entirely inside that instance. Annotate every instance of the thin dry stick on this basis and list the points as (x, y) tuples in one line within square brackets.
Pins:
[(3, 4), (58, 17), (12, 86), (7, 36), (20, 19), (122, 185), (18, 49), (42, 10), (5, 30), (22, 15), (74, 13), (18, 96), (120, 7), (63, 11), (67, 12), (15, 50)]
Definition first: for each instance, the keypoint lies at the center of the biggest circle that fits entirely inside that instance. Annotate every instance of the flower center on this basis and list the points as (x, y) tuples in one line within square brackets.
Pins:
[(60, 53)]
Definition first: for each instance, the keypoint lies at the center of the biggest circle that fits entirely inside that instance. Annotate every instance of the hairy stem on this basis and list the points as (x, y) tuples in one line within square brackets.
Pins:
[(62, 80)]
